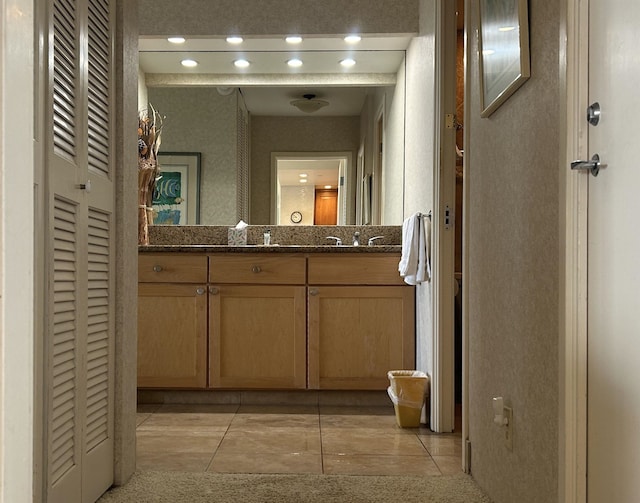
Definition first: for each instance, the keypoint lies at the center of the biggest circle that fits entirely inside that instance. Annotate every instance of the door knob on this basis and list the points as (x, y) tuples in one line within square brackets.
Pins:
[(593, 114), (593, 165)]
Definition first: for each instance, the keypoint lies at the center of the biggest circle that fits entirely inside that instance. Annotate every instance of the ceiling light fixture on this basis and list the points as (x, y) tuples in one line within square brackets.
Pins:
[(176, 40), (327, 186), (309, 103), (352, 39), (189, 63), (293, 39), (235, 39), (303, 175), (295, 63), (241, 63), (348, 63)]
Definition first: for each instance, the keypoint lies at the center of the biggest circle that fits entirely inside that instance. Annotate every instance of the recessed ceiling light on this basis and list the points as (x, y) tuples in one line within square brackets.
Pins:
[(303, 180), (303, 175), (352, 39), (293, 39), (189, 63), (241, 63), (327, 186), (176, 40), (348, 63), (235, 39), (295, 63)]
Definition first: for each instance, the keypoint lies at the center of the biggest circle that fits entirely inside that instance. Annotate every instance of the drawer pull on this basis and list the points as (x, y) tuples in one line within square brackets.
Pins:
[(213, 290), (157, 268), (313, 291), (256, 269), (200, 291)]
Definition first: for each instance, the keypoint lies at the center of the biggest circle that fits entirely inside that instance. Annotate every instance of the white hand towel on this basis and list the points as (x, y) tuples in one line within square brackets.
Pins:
[(414, 266), (409, 258)]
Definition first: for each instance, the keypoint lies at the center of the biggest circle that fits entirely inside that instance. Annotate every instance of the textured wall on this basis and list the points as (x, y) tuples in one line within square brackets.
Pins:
[(276, 17), (293, 134), (297, 198), (199, 119), (512, 175), (419, 154), (393, 178)]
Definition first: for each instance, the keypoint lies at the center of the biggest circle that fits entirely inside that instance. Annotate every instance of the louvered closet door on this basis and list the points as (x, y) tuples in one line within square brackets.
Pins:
[(79, 339)]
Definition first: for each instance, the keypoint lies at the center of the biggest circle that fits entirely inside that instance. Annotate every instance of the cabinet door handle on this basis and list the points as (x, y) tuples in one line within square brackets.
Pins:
[(256, 269), (213, 290), (313, 291), (157, 268), (200, 291)]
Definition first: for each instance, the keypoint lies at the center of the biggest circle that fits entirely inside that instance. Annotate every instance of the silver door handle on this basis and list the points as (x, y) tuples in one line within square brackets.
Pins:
[(593, 165)]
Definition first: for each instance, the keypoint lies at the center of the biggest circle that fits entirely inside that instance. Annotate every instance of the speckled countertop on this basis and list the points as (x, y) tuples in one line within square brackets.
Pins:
[(284, 239)]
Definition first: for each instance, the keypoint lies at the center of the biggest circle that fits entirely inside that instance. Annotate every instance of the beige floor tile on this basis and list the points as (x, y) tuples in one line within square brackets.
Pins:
[(255, 418), (239, 462), (358, 417), (273, 440), (175, 461), (446, 445), (290, 439), (371, 441), (209, 416), (173, 441), (367, 464), (141, 417), (448, 465)]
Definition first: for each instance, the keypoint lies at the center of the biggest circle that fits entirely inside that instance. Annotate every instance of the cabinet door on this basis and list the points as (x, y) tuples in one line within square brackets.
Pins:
[(257, 336), (172, 335), (358, 333)]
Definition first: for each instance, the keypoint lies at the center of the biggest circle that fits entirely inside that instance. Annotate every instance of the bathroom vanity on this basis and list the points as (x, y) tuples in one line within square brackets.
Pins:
[(272, 317)]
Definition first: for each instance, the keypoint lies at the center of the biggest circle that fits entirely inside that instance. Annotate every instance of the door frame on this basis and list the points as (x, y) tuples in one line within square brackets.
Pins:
[(443, 239), (572, 427), (345, 191)]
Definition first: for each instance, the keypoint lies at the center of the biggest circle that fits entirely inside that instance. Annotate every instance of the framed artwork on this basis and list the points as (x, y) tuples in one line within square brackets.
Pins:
[(503, 43), (176, 198)]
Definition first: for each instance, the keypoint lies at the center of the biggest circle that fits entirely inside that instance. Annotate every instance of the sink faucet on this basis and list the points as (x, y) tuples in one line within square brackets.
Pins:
[(338, 240), (372, 241), (356, 239)]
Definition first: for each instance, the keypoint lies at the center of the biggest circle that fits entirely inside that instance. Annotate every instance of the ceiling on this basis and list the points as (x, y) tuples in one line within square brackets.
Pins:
[(320, 172), (269, 84)]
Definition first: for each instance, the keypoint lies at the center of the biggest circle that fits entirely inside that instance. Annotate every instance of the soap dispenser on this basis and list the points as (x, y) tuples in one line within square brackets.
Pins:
[(267, 237)]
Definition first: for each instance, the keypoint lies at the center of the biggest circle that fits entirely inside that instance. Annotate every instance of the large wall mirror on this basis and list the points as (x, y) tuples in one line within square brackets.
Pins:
[(237, 119)]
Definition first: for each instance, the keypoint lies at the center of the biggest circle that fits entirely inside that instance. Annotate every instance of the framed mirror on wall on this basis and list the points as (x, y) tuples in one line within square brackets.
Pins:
[(503, 42), (177, 192)]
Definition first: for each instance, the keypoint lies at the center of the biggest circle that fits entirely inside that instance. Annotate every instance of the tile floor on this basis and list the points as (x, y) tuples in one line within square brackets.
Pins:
[(290, 439)]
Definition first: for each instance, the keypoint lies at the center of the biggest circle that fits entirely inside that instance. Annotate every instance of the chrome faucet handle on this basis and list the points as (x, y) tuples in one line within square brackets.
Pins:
[(338, 240), (372, 241)]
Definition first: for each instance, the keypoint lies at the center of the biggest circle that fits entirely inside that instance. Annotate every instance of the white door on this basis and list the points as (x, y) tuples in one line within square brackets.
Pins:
[(613, 423)]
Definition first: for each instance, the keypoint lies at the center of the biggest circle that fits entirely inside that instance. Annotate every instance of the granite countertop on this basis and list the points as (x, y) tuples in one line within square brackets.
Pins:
[(270, 249), (285, 239)]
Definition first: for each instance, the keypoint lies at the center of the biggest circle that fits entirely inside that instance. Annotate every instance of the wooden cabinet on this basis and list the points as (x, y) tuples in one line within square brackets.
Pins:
[(172, 321), (257, 325), (273, 321), (361, 322)]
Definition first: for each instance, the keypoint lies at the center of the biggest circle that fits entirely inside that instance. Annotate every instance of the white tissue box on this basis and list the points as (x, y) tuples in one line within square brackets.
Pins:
[(237, 237)]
